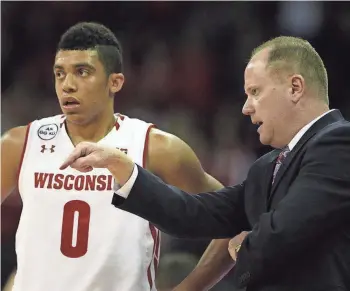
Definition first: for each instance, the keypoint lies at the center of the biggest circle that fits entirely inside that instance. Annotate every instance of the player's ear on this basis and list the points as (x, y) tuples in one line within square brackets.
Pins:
[(116, 81)]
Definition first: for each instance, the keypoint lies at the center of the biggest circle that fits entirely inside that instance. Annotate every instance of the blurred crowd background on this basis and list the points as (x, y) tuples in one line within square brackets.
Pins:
[(184, 64)]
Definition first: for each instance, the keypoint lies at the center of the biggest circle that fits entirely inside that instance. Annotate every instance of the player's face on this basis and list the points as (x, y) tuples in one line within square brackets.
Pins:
[(268, 103), (83, 89)]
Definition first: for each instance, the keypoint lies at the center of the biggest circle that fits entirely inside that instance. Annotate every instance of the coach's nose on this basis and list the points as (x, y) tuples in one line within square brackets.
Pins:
[(248, 107), (69, 84)]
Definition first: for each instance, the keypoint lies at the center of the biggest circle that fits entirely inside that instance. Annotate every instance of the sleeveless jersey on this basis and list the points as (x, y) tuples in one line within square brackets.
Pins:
[(70, 237)]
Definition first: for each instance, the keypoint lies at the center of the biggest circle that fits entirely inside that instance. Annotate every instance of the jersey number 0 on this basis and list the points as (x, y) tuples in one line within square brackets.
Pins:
[(81, 210)]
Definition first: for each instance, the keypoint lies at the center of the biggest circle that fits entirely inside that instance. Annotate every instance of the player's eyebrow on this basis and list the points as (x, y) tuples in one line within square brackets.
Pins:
[(85, 65), (77, 65), (55, 67)]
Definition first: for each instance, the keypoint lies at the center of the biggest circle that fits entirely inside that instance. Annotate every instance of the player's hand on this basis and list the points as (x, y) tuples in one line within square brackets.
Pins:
[(235, 244), (87, 156)]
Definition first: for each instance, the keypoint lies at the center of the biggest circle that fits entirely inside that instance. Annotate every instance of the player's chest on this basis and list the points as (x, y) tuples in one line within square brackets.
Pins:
[(51, 153), (41, 171)]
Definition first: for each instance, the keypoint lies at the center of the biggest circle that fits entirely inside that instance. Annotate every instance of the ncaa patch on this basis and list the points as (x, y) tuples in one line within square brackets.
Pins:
[(47, 132)]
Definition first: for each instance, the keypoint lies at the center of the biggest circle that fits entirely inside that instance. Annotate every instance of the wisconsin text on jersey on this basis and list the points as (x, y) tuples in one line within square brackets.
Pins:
[(73, 182)]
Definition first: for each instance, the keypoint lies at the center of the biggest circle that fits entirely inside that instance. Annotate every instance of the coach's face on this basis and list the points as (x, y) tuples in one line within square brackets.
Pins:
[(83, 89), (270, 101)]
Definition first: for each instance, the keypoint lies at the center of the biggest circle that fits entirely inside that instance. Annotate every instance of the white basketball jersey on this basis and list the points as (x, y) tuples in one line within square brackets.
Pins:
[(70, 237)]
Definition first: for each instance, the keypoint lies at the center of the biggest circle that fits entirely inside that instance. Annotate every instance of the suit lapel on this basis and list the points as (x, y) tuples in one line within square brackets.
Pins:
[(328, 119)]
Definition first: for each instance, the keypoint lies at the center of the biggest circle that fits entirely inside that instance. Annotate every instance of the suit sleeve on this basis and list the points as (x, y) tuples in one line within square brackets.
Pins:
[(317, 203), (207, 215)]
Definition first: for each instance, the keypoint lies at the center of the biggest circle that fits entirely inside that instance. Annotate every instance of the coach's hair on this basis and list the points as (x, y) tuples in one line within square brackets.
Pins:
[(94, 36), (296, 55)]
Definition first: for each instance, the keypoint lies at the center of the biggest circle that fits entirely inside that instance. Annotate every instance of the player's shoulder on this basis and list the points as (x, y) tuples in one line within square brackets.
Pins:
[(160, 144), (125, 120), (164, 145), (49, 120), (13, 142), (15, 135), (163, 140), (46, 128), (134, 129), (168, 154)]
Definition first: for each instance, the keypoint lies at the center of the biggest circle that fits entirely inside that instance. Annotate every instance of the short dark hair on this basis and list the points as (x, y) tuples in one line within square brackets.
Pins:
[(94, 36)]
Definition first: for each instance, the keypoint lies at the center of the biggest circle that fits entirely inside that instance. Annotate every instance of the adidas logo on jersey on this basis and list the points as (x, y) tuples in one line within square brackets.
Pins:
[(72, 182)]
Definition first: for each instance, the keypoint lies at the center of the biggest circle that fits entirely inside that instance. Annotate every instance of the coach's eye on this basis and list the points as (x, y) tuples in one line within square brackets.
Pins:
[(254, 91)]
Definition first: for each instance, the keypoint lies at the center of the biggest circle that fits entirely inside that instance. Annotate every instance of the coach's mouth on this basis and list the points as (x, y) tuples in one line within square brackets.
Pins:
[(258, 124)]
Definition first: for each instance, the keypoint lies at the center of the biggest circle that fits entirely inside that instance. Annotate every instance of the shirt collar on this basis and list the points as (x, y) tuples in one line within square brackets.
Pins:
[(302, 131)]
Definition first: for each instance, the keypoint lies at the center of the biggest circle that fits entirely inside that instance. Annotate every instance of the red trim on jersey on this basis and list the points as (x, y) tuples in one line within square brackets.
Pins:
[(156, 253), (23, 151), (121, 116), (154, 236), (117, 125), (145, 148), (153, 229)]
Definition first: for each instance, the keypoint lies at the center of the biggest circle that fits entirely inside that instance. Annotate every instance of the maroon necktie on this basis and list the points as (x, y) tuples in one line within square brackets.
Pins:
[(283, 154)]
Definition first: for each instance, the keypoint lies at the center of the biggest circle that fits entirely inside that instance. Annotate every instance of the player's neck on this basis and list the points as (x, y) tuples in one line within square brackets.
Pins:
[(93, 131)]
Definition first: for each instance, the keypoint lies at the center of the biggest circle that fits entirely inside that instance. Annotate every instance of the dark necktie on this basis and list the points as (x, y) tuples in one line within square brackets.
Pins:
[(281, 157)]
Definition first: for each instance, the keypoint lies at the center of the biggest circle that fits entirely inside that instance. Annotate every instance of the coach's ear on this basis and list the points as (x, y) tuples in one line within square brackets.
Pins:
[(297, 87), (116, 82)]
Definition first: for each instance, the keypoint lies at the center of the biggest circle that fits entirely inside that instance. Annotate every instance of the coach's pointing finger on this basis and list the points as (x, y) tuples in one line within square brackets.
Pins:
[(76, 154), (87, 156), (81, 150)]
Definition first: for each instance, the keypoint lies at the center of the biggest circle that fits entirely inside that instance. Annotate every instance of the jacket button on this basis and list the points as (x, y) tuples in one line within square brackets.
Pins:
[(244, 278)]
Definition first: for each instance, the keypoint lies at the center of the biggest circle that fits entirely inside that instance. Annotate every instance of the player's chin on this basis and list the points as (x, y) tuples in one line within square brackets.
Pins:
[(75, 117), (70, 111)]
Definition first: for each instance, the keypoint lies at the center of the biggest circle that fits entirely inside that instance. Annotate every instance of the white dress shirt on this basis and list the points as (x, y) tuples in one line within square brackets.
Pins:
[(302, 131), (125, 190)]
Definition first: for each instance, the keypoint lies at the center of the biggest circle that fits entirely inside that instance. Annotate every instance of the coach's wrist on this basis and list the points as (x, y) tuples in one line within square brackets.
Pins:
[(184, 286), (193, 282), (121, 167)]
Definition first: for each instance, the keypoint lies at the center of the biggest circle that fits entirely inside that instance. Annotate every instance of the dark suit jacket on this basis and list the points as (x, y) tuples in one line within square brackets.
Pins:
[(300, 239)]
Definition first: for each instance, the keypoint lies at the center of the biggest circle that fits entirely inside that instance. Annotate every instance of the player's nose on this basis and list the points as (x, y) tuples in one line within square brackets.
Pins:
[(69, 84)]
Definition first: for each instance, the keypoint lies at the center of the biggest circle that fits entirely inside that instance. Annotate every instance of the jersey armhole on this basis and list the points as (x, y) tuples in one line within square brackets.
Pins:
[(153, 230), (23, 153), (145, 148)]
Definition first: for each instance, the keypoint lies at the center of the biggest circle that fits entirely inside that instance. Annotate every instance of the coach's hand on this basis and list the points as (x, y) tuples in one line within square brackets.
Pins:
[(87, 156)]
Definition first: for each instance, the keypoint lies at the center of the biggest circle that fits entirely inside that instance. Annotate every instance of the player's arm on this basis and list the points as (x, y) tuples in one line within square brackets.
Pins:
[(175, 162), (12, 145)]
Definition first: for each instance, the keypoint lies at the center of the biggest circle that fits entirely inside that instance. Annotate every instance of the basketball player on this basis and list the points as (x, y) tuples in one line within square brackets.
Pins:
[(63, 241)]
